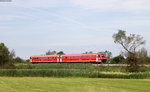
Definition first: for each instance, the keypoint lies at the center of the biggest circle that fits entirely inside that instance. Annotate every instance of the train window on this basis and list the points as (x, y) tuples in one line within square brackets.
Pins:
[(66, 57), (45, 58), (77, 57), (86, 56), (92, 56), (35, 58)]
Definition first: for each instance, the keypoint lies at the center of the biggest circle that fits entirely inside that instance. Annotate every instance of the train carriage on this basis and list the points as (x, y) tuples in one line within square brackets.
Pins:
[(44, 58), (91, 58)]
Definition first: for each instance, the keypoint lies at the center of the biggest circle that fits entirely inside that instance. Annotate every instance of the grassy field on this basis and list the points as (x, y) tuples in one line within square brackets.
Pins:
[(40, 84)]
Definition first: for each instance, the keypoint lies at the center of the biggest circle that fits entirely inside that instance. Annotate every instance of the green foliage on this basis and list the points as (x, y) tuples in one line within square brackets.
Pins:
[(54, 53), (109, 69), (60, 53), (118, 59), (88, 52), (54, 66), (70, 73), (18, 60), (130, 44), (51, 52), (6, 57), (148, 60), (106, 53), (70, 70)]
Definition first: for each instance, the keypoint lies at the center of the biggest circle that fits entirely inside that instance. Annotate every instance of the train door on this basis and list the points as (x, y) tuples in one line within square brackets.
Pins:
[(96, 58), (30, 59), (60, 58)]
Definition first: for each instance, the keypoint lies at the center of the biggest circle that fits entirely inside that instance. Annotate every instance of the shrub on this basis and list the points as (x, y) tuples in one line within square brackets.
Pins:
[(118, 59), (6, 57), (148, 60)]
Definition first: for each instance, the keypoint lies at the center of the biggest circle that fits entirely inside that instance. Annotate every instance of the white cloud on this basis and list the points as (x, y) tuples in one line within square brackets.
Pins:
[(122, 5), (36, 3)]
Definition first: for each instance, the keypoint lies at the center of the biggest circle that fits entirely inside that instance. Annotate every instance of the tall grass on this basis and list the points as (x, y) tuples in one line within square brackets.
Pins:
[(70, 70), (54, 66), (70, 73)]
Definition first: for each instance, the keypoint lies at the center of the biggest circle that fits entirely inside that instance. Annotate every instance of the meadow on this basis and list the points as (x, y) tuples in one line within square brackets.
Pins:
[(46, 84)]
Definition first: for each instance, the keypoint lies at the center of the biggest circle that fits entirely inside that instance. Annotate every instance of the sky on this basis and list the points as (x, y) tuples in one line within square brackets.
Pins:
[(32, 27)]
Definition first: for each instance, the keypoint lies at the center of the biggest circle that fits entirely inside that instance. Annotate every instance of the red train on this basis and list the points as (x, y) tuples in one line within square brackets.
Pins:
[(90, 58)]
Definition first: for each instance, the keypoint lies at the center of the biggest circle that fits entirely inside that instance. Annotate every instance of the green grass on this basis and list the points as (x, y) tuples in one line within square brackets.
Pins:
[(71, 70), (54, 66), (39, 84), (71, 73)]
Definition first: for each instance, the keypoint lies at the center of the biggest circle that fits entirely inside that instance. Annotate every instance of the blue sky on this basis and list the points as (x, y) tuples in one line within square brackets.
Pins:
[(32, 27)]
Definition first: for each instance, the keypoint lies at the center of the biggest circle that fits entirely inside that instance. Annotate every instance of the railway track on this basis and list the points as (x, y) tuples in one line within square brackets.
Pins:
[(146, 65)]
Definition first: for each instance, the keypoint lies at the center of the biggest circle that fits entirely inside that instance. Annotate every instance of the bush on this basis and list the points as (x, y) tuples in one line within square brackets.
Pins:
[(6, 57), (148, 60), (118, 59)]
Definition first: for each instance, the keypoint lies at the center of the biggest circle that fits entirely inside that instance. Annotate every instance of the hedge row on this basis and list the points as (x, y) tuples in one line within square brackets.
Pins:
[(70, 73)]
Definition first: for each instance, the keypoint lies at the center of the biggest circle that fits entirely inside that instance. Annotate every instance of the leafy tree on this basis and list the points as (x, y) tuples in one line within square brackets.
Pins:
[(108, 54), (130, 44), (18, 60), (148, 60), (118, 59), (88, 52), (51, 52), (6, 57), (142, 55), (60, 53)]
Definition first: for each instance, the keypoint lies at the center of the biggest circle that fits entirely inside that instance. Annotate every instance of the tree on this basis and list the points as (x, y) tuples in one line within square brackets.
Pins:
[(118, 59), (142, 55), (148, 60), (130, 44), (51, 52), (88, 52), (60, 53), (108, 54), (6, 57), (18, 60)]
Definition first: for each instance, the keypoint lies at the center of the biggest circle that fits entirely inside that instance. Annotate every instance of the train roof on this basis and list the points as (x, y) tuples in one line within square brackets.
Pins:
[(67, 55), (81, 54), (45, 56)]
